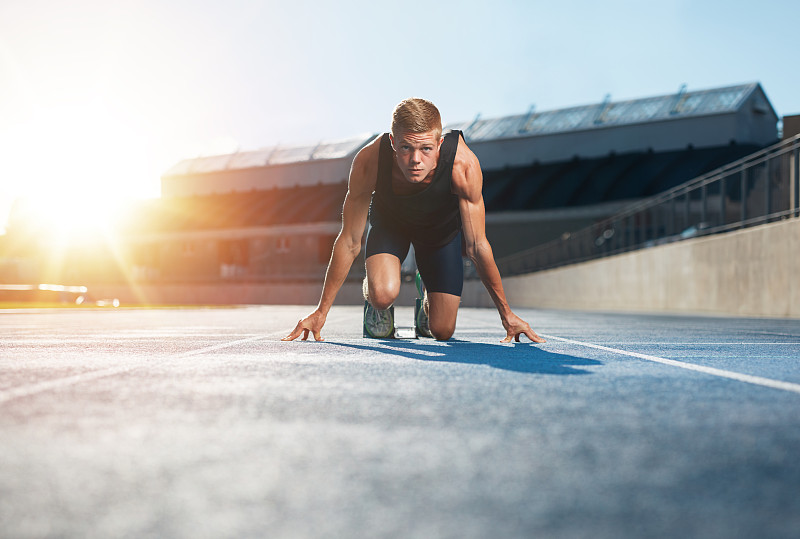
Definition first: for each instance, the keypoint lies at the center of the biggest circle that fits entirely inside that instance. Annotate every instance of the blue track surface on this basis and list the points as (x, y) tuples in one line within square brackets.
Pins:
[(201, 423)]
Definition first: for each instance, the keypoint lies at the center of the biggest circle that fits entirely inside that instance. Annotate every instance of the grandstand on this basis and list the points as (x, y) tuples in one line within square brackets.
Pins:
[(545, 173), (271, 215)]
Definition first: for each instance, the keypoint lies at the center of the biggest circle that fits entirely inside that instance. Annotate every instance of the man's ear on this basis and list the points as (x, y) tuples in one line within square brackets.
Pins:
[(391, 140)]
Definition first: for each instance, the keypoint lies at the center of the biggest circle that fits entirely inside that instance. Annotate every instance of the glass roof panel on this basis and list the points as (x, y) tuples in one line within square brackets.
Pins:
[(291, 154), (340, 148), (619, 113), (257, 158), (209, 164)]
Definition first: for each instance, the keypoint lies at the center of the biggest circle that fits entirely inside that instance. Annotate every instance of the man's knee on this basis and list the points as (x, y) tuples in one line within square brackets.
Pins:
[(382, 301), (442, 310), (380, 295), (442, 330)]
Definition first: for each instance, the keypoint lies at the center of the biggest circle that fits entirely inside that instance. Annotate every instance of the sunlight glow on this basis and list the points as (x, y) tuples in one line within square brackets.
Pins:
[(75, 164), (67, 220), (78, 147)]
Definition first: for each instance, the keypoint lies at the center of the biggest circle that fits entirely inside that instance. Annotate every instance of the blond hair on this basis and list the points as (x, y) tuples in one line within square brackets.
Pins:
[(416, 115)]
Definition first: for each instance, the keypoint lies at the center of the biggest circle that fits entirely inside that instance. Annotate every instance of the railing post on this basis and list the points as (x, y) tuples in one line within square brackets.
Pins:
[(568, 249), (703, 204), (743, 196), (795, 181), (673, 218), (656, 222), (722, 209), (767, 189), (626, 242), (687, 211)]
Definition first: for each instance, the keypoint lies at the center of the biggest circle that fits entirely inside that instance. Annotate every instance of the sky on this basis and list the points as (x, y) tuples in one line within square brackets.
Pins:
[(98, 98)]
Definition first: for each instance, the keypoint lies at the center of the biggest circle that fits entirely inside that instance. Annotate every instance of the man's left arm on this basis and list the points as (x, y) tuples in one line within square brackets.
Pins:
[(468, 186)]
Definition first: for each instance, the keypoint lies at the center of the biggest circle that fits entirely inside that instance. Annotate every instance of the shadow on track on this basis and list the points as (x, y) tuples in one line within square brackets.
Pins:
[(523, 358)]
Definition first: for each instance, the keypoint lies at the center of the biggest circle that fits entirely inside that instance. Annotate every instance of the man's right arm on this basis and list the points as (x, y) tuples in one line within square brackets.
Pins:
[(347, 246)]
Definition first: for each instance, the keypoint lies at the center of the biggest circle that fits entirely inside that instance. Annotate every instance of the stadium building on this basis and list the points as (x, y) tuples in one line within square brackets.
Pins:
[(274, 213)]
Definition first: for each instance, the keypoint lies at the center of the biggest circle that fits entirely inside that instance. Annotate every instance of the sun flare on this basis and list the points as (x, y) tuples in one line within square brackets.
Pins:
[(74, 166), (61, 222)]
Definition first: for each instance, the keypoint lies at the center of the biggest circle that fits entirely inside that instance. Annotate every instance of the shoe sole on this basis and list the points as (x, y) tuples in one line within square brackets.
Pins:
[(421, 327), (388, 333)]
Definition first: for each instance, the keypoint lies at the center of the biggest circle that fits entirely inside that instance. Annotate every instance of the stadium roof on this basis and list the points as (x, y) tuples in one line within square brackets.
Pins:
[(275, 155), (651, 109), (606, 114)]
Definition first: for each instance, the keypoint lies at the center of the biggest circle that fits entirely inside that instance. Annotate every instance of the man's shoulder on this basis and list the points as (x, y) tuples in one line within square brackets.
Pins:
[(467, 177), (364, 171), (465, 158), (371, 150)]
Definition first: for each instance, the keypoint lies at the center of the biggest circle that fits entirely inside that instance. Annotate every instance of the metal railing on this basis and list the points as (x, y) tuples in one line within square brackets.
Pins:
[(760, 188)]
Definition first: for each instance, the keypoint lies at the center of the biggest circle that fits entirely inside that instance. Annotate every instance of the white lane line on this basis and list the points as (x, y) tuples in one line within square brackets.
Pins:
[(116, 339), (26, 391), (224, 345), (757, 380)]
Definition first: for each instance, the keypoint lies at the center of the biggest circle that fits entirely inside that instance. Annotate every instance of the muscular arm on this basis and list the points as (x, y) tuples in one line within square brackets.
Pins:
[(347, 246), (468, 185)]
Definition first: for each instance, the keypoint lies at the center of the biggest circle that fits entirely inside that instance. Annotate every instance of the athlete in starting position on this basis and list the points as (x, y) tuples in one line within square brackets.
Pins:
[(416, 187)]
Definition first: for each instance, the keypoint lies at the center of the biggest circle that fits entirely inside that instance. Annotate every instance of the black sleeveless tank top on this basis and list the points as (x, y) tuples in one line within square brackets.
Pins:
[(430, 217)]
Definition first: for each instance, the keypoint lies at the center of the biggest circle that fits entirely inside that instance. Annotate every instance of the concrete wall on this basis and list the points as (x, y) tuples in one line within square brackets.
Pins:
[(752, 272)]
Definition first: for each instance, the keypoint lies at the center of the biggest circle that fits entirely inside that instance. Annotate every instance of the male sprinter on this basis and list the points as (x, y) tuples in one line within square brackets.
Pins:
[(416, 187)]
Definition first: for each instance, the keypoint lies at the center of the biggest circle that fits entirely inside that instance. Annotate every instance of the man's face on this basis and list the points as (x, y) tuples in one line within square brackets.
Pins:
[(417, 154)]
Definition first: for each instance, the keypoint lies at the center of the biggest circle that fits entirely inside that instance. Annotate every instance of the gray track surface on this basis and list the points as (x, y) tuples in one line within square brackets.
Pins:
[(201, 423)]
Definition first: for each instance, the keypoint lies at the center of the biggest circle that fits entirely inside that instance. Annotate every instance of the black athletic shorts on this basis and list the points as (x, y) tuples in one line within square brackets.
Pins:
[(441, 268)]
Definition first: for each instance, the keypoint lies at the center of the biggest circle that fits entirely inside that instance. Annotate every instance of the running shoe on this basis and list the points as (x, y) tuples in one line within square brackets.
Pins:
[(378, 324), (421, 322)]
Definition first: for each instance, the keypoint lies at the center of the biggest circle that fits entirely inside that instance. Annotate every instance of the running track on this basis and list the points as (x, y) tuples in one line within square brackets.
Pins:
[(201, 423)]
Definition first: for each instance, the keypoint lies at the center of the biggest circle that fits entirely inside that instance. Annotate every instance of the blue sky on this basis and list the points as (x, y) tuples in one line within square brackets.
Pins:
[(103, 96)]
